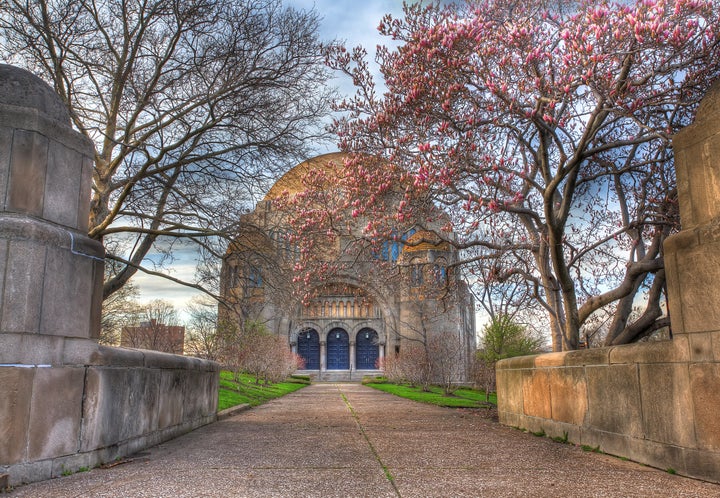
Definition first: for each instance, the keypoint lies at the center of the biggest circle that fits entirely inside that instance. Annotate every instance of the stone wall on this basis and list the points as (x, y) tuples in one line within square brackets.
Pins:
[(655, 403), (67, 402)]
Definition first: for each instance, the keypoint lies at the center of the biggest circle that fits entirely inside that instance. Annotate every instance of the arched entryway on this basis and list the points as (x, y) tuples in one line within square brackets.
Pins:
[(366, 352), (338, 350), (309, 348)]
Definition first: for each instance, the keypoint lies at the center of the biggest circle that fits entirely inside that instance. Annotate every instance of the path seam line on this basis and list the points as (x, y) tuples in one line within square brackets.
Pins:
[(386, 471)]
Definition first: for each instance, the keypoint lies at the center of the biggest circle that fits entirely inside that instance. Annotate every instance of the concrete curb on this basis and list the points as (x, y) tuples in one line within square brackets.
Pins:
[(233, 410)]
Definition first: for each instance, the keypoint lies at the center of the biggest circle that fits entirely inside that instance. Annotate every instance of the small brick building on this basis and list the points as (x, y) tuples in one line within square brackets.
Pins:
[(155, 336)]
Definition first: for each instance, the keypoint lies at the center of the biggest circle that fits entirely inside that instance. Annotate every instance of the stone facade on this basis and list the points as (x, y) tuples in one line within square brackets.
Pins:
[(362, 314), (654, 403), (66, 401)]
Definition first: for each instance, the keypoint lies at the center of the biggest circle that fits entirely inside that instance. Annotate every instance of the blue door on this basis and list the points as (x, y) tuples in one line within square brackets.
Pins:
[(366, 352), (309, 349), (338, 350)]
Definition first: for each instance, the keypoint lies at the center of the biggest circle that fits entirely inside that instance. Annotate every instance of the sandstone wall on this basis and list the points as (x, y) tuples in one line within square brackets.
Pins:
[(655, 403)]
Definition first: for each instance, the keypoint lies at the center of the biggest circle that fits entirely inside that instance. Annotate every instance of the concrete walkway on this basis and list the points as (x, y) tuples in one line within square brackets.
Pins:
[(348, 440)]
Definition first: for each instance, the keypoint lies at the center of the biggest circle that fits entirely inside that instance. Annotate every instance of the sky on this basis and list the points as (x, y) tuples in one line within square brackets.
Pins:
[(352, 22)]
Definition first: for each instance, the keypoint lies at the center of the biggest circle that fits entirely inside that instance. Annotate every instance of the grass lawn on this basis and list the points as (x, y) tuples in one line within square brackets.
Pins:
[(462, 398), (233, 393)]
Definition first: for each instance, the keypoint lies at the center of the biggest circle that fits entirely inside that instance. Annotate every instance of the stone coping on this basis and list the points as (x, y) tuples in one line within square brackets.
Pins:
[(53, 351), (671, 351), (20, 226)]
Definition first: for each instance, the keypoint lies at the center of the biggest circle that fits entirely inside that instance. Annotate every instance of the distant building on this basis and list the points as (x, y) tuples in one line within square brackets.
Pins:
[(155, 336), (406, 290)]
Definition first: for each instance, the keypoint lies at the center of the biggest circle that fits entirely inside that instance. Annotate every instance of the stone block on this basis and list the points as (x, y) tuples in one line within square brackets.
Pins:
[(568, 395), (61, 197), (536, 394), (550, 360), (667, 404), (83, 209), (67, 294), (594, 356), (22, 294), (200, 395), (55, 413), (15, 393), (703, 465), (649, 352), (698, 293), (5, 149), (28, 167), (517, 362), (510, 390), (614, 399), (171, 401), (705, 389), (129, 395), (701, 346), (30, 349)]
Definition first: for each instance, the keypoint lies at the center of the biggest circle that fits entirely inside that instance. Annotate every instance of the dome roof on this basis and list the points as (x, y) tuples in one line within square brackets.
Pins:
[(21, 88), (292, 181)]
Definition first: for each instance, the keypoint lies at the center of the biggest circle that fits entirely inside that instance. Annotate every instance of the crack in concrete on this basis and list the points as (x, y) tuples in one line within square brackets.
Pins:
[(385, 469)]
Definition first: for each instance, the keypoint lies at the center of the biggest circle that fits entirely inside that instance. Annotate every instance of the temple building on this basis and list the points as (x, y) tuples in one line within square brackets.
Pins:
[(377, 299)]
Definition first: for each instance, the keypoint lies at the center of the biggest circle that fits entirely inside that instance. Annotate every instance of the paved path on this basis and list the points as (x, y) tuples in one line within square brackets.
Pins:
[(347, 440)]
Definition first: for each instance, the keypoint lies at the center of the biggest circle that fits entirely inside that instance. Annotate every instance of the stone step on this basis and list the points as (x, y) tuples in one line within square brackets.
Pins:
[(339, 375)]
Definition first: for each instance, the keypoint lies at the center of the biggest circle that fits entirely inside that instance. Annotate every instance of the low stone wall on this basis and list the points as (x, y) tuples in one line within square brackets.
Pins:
[(60, 416), (654, 403)]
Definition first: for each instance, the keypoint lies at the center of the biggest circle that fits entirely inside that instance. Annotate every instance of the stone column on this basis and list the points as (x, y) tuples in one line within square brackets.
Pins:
[(52, 270), (323, 356), (692, 257), (381, 350), (352, 356)]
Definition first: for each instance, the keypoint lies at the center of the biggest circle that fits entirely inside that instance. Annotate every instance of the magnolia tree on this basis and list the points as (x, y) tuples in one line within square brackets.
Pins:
[(543, 129)]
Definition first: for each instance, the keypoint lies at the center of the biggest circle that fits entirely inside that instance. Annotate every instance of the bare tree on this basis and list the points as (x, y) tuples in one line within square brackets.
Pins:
[(203, 338), (192, 106), (158, 329)]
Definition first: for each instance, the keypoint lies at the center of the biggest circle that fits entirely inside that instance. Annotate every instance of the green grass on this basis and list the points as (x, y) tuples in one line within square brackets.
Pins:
[(462, 398), (232, 393)]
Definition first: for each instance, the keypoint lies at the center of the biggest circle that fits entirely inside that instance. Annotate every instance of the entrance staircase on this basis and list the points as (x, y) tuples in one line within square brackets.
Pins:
[(339, 375)]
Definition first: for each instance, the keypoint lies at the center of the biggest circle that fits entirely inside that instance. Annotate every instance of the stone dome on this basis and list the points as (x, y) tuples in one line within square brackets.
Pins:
[(21, 88), (292, 181)]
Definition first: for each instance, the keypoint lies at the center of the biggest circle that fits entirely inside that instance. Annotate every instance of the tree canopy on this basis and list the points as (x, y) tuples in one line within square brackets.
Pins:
[(543, 129), (193, 107)]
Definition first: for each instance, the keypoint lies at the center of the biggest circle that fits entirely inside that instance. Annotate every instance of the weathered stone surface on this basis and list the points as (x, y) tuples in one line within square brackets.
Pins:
[(510, 390), (63, 171), (568, 395), (22, 294), (67, 278), (15, 384), (5, 149), (19, 87), (54, 428), (28, 168), (667, 403), (595, 356), (536, 394), (648, 352), (550, 360), (614, 399), (701, 347), (700, 296), (704, 382)]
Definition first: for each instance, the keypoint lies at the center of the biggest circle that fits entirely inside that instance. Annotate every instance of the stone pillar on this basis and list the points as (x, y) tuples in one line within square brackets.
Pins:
[(52, 270), (352, 355), (65, 401), (381, 350), (692, 257), (323, 356)]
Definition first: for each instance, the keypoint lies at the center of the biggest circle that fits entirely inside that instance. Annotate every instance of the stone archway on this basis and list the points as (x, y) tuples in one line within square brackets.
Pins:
[(338, 350)]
